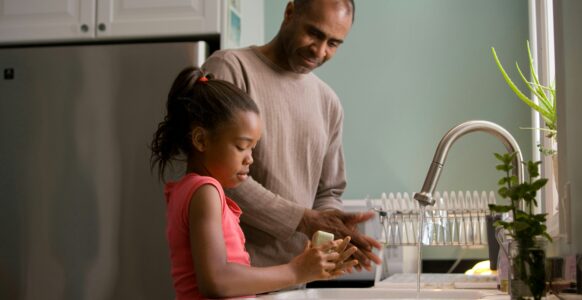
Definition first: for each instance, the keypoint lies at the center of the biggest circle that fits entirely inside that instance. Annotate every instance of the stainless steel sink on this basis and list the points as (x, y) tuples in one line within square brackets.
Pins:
[(384, 293)]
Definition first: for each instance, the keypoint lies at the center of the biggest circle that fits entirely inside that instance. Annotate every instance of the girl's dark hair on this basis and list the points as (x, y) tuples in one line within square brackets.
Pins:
[(194, 102)]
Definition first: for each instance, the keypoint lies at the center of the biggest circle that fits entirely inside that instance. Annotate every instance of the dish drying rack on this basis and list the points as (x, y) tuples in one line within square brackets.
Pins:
[(456, 219)]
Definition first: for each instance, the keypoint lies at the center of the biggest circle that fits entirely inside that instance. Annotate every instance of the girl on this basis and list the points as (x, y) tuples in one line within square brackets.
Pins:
[(215, 126)]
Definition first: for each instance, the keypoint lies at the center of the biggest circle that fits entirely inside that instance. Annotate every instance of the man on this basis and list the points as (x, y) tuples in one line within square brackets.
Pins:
[(298, 174)]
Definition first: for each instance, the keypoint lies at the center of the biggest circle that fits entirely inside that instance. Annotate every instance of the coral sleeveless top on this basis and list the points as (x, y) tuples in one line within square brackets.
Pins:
[(178, 196)]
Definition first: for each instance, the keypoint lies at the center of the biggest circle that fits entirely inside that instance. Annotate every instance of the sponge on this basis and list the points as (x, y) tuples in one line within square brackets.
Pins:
[(321, 237)]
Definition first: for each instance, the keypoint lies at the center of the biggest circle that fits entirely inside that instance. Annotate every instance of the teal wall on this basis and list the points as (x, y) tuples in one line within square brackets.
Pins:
[(412, 69)]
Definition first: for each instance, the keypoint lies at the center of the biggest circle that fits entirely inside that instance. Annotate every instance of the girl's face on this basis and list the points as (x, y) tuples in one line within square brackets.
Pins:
[(229, 150)]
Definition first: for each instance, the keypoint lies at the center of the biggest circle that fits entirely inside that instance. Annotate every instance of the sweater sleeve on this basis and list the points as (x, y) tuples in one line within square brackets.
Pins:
[(332, 182), (226, 67), (265, 210), (262, 209)]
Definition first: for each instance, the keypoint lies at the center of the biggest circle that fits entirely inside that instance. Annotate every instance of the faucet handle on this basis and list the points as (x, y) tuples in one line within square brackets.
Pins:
[(424, 198)]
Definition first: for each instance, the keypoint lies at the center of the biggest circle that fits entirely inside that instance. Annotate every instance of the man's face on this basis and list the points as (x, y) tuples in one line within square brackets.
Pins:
[(311, 36)]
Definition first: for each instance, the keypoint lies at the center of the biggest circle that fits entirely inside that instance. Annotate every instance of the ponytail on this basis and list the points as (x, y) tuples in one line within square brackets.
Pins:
[(195, 99)]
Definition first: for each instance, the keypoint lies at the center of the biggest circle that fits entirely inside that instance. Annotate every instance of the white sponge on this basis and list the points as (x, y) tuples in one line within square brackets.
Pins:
[(321, 237)]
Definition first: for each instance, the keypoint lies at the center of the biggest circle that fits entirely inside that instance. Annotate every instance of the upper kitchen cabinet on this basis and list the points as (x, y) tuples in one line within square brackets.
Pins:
[(154, 18), (43, 20), (57, 21)]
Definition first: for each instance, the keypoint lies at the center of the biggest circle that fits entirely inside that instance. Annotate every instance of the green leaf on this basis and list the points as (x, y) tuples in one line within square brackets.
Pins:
[(547, 236), (540, 217), (546, 95), (533, 168), (525, 225), (531, 65), (538, 184), (510, 83), (505, 168), (499, 208), (509, 157), (530, 85), (520, 226), (503, 224), (539, 94), (520, 215), (546, 102), (503, 192)]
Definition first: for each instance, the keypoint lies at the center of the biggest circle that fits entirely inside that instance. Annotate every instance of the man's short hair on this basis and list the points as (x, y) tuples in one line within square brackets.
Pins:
[(302, 4)]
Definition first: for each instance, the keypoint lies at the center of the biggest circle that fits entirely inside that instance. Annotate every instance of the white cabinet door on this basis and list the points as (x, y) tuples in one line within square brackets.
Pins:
[(41, 21), (155, 18), (46, 20)]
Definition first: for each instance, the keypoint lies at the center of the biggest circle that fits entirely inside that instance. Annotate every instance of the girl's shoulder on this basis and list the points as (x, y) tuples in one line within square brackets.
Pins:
[(189, 184), (195, 179)]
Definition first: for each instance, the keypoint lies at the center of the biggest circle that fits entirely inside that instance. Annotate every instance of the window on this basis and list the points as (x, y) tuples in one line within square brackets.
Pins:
[(542, 46)]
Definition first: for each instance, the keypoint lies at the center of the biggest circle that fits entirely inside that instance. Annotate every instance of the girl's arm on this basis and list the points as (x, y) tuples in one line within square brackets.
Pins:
[(219, 278)]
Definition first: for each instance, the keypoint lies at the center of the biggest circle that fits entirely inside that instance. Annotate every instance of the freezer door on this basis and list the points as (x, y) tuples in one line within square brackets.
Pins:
[(82, 216)]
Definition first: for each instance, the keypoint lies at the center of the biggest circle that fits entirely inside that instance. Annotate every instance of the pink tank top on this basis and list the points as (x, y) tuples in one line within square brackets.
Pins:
[(178, 195)]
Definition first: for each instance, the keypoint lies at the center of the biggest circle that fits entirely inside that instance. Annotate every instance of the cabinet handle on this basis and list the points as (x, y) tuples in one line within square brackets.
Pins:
[(101, 27), (84, 28)]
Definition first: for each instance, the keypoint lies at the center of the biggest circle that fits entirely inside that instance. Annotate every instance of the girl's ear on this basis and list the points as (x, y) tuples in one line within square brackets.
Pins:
[(199, 138)]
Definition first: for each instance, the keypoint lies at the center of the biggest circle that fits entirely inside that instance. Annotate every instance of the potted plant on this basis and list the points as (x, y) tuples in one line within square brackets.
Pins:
[(546, 96), (526, 229)]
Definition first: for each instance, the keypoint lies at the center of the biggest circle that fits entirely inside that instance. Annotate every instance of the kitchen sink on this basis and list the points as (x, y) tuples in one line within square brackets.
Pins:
[(384, 293)]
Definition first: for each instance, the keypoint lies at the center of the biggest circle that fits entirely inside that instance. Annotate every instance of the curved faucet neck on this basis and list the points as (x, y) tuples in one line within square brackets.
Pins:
[(424, 197)]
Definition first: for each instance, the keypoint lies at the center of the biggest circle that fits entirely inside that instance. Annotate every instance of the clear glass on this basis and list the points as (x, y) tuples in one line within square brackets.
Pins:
[(528, 269)]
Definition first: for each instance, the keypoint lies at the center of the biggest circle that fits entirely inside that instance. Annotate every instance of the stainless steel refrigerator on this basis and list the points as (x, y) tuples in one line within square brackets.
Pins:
[(81, 215)]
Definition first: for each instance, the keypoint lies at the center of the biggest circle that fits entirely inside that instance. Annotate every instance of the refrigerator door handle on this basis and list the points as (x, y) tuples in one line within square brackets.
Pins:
[(200, 53)]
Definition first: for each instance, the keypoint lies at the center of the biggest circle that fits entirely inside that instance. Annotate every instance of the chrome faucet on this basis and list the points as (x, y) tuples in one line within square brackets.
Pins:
[(424, 197)]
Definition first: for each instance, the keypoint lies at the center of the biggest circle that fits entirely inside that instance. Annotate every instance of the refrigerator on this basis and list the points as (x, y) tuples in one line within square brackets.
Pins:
[(82, 216)]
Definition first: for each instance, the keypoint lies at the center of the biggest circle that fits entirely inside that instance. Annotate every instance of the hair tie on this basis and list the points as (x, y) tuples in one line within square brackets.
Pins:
[(202, 79)]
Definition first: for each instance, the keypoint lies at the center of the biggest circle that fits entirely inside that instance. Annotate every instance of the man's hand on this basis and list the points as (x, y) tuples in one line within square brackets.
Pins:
[(343, 224)]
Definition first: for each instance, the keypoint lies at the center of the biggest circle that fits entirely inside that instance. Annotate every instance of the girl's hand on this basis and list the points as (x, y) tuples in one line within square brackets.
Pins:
[(345, 251), (324, 262), (315, 263)]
